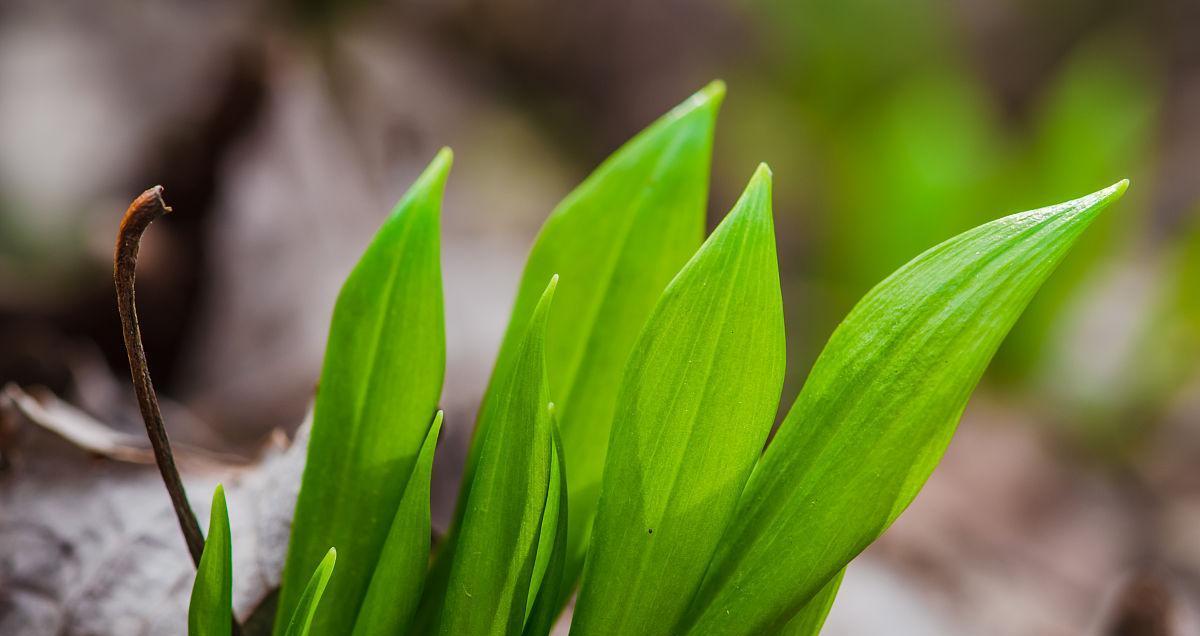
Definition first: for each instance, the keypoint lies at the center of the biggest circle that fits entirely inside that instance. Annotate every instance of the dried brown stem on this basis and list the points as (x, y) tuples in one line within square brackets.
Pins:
[(145, 209)]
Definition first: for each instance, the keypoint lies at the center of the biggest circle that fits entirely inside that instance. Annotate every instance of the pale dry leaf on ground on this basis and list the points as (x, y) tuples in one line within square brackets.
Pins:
[(89, 545)]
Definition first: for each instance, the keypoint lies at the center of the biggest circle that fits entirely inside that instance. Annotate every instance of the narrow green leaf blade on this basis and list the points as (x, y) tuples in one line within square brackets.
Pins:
[(497, 543), (698, 401), (544, 606), (617, 239), (306, 606), (379, 387), (399, 575), (877, 412), (809, 620), (210, 612)]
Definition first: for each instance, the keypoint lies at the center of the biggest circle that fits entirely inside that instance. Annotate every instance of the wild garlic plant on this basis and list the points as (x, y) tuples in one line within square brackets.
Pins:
[(619, 449)]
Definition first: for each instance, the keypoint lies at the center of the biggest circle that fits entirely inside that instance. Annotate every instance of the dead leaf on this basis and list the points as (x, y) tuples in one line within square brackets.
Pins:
[(89, 545)]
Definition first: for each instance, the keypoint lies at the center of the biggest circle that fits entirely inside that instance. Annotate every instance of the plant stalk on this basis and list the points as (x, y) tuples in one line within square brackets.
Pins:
[(144, 210)]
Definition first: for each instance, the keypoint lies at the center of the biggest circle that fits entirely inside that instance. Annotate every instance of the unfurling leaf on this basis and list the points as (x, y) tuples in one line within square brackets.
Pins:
[(497, 542), (548, 580), (210, 612), (310, 598), (399, 575)]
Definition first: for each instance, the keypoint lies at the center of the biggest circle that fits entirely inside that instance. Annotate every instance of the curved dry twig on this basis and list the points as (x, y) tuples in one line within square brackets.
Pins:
[(144, 210)]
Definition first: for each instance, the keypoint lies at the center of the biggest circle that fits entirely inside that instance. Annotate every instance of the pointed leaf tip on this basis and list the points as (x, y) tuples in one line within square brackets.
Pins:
[(761, 180), (1088, 206), (542, 310), (548, 295), (1104, 197), (433, 177), (713, 92), (1118, 189), (707, 99), (395, 589), (755, 201), (439, 166), (302, 618)]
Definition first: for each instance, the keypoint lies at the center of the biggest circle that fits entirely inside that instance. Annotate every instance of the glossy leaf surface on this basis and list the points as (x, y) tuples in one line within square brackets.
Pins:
[(210, 612), (698, 400), (399, 575), (616, 240), (876, 414), (379, 388), (811, 618), (543, 606), (497, 543), (306, 607)]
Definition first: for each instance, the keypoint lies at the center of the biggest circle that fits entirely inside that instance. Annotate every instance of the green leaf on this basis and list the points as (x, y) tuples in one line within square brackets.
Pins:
[(809, 620), (698, 401), (876, 413), (379, 387), (543, 607), (498, 540), (617, 239), (210, 612), (306, 606), (399, 575)]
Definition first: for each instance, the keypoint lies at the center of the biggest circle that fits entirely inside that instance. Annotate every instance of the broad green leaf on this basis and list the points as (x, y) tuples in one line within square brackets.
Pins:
[(698, 400), (876, 413), (617, 240), (809, 620), (210, 612), (498, 540), (543, 606), (306, 606), (399, 575), (379, 388)]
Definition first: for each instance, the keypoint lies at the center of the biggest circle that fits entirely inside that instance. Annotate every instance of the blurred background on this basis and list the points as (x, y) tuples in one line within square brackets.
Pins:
[(283, 131)]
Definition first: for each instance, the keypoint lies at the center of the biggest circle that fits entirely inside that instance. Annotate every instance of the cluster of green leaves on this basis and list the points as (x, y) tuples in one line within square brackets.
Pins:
[(619, 446)]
